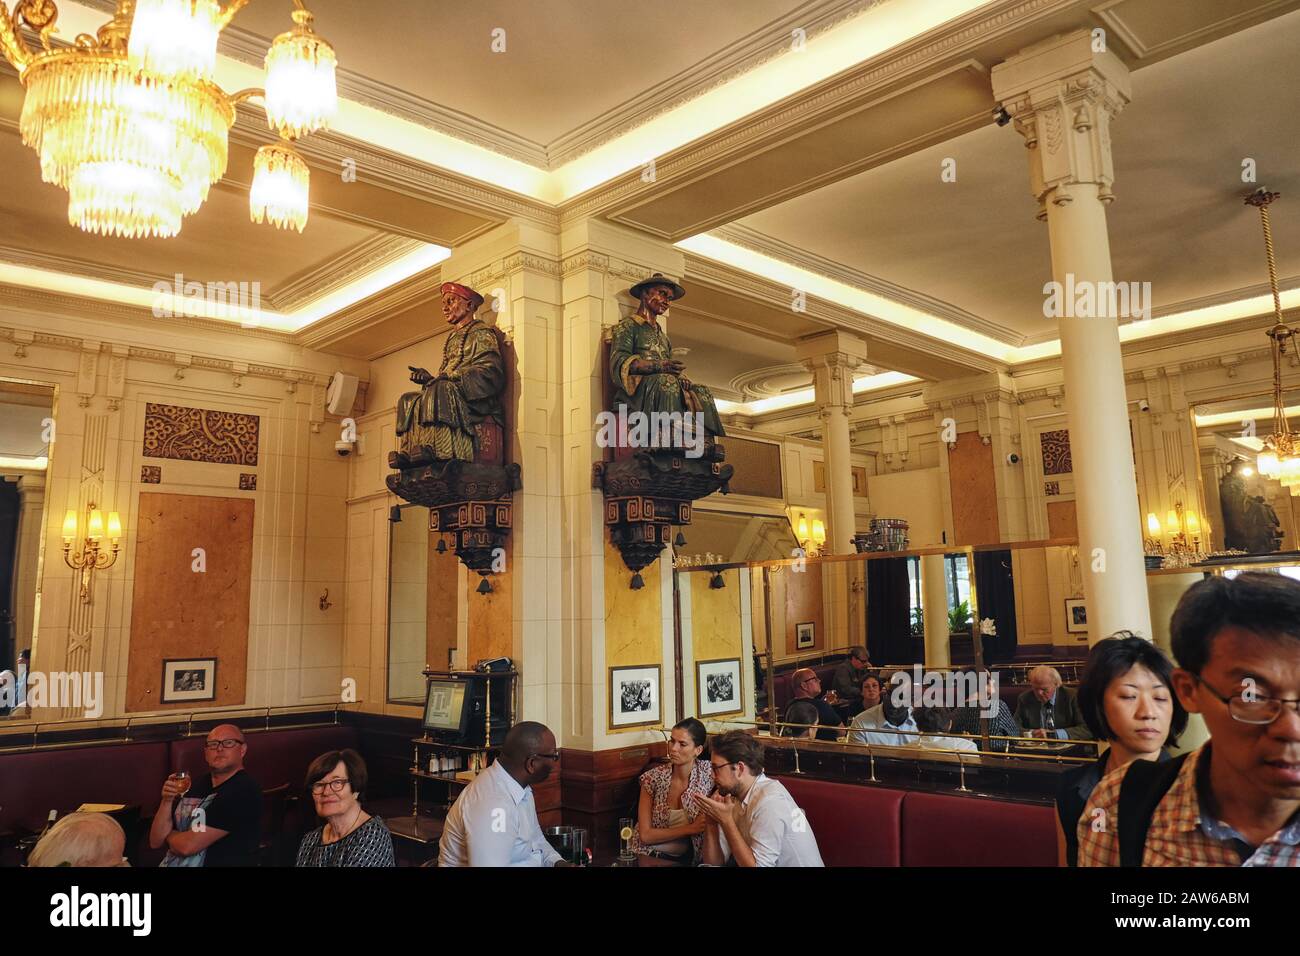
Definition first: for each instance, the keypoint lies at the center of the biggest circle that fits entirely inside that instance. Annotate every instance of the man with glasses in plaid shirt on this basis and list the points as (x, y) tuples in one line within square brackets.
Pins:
[(1236, 800)]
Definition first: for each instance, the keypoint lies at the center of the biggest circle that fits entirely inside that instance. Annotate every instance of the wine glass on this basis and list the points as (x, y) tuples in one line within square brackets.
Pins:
[(183, 782)]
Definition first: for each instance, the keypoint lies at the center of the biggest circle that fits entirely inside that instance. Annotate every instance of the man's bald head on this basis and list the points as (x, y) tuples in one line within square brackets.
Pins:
[(528, 752), (225, 759), (805, 682), (226, 732)]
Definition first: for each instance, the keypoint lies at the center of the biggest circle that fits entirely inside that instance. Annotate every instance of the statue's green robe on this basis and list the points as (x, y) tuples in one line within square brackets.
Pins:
[(635, 338), (444, 412)]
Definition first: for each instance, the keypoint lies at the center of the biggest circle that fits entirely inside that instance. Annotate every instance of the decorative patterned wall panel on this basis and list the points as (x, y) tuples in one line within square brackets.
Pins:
[(200, 434), (1056, 452), (758, 467)]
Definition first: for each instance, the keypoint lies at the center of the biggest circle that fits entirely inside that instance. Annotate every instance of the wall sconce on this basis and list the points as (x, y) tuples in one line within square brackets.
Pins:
[(811, 537), (92, 557)]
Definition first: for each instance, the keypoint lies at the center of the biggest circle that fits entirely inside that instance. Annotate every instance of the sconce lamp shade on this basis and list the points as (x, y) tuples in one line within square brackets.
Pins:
[(95, 527), (1193, 524), (114, 526), (1171, 522), (802, 529), (1153, 524), (69, 525), (819, 531)]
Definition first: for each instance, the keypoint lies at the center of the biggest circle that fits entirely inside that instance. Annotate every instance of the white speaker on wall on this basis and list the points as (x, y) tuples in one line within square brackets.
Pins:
[(341, 394)]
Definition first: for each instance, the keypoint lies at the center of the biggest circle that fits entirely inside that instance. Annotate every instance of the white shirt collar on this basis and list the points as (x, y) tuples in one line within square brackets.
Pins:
[(517, 793)]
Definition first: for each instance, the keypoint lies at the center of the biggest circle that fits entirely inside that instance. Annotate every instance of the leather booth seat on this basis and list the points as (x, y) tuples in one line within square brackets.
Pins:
[(854, 826), (32, 784), (866, 825)]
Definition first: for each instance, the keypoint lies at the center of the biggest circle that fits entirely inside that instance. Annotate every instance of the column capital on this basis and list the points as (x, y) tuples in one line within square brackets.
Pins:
[(832, 357), (1061, 95)]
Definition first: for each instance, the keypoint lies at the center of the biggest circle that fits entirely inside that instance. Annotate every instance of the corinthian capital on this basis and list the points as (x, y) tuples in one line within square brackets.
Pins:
[(1062, 94)]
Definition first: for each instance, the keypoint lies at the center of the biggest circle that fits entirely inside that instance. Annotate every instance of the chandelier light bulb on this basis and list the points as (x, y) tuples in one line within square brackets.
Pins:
[(301, 87), (174, 38), (280, 187)]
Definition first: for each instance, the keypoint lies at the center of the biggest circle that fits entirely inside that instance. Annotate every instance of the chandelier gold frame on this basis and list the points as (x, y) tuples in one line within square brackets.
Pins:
[(1280, 457), (135, 128)]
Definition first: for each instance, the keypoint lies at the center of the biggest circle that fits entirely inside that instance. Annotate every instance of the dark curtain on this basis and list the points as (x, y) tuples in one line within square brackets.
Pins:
[(889, 617), (996, 595)]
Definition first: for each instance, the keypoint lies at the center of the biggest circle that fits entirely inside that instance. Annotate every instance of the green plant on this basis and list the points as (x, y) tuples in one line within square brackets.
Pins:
[(959, 618), (918, 621)]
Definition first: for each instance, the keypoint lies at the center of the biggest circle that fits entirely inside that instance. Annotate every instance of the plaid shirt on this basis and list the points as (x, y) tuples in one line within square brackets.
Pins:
[(1182, 833)]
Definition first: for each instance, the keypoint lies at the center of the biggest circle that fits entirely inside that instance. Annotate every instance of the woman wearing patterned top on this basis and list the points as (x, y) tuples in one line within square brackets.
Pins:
[(350, 836), (670, 826)]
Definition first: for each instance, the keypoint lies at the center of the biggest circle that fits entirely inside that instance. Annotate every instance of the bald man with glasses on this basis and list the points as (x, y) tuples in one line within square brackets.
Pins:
[(808, 686), (218, 821)]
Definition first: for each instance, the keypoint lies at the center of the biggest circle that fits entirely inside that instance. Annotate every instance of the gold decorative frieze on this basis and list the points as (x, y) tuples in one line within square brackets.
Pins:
[(200, 434)]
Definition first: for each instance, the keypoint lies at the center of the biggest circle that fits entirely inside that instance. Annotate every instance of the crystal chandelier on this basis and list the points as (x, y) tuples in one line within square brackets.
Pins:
[(132, 125), (1280, 457)]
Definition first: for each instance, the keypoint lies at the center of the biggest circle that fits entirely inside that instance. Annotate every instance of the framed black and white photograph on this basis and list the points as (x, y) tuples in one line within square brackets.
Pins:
[(804, 635), (1076, 616), (634, 696), (191, 679), (718, 687)]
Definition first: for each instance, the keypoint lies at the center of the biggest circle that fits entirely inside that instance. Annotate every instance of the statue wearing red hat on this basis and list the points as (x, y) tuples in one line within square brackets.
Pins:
[(438, 422)]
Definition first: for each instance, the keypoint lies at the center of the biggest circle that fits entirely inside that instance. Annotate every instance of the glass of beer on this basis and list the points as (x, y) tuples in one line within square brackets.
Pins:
[(183, 782)]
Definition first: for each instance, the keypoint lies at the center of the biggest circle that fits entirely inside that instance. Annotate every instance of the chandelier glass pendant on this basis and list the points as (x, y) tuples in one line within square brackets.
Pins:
[(131, 123), (1280, 457)]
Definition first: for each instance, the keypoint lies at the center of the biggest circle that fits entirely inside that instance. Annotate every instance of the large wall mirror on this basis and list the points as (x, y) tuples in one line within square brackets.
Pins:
[(408, 596), (26, 438), (1248, 511)]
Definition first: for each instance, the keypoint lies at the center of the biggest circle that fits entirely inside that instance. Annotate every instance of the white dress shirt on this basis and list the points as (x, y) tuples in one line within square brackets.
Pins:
[(944, 742), (494, 823), (870, 727), (774, 827)]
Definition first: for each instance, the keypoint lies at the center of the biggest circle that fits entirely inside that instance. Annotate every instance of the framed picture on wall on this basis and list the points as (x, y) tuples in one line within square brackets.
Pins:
[(191, 679), (634, 696), (1076, 616), (719, 688), (804, 635)]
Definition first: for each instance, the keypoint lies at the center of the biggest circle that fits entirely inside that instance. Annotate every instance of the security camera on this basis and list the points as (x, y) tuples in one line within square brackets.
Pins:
[(1013, 459), (1144, 405), (1000, 115), (343, 448)]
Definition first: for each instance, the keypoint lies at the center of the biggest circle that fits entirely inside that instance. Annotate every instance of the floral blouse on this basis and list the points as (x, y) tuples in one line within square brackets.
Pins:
[(656, 781)]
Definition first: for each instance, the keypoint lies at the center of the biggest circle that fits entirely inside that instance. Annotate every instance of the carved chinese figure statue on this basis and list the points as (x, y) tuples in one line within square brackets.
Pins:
[(439, 423), (451, 441), (646, 377), (663, 429), (1249, 522)]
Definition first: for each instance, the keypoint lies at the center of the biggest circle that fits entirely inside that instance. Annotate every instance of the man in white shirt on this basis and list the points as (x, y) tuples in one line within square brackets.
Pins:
[(756, 822), (494, 820), (876, 725), (935, 723)]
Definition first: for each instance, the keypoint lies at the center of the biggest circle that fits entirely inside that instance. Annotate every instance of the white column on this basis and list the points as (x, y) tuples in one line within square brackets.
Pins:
[(833, 357), (1062, 94), (934, 604)]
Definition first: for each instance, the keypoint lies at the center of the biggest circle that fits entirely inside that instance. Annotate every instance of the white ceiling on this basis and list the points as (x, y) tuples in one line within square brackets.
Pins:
[(566, 62), (1178, 221)]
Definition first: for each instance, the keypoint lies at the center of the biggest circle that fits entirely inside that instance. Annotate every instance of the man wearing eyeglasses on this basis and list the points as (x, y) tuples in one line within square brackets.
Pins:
[(1236, 800), (219, 820), (494, 820), (808, 686)]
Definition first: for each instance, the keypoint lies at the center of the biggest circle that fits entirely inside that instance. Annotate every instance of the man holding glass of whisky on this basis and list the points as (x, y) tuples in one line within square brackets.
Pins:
[(218, 820)]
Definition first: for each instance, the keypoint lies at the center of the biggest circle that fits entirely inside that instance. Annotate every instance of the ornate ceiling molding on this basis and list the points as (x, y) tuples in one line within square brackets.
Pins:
[(318, 281), (758, 242)]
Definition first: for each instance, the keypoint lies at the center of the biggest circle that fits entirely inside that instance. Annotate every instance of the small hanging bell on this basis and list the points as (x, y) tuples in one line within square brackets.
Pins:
[(637, 583), (442, 546), (484, 587), (679, 541)]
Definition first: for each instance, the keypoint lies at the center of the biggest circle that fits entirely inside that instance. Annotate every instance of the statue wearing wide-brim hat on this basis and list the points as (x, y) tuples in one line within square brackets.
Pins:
[(646, 377)]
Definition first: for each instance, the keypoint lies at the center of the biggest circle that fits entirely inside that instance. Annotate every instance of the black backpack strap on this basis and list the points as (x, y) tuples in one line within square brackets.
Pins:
[(1144, 785)]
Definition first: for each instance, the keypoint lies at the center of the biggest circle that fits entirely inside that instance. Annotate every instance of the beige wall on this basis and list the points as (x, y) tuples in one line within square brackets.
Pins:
[(295, 650)]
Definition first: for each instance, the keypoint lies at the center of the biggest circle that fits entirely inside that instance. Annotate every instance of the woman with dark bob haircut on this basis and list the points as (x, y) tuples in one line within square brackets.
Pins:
[(350, 837), (670, 826), (1126, 696)]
